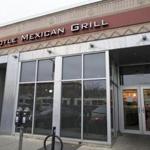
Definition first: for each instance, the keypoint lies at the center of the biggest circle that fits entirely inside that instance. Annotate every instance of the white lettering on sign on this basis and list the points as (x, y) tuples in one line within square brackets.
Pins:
[(40, 35), (90, 25), (54, 32), (8, 42)]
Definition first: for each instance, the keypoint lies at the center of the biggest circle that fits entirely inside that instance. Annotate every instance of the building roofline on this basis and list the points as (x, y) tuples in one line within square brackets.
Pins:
[(49, 12)]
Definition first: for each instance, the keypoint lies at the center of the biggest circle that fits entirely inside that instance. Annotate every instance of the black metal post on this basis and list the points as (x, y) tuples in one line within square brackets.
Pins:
[(20, 138), (53, 138)]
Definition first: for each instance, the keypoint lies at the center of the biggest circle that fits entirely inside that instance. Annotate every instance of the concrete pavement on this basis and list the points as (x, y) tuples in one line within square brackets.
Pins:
[(11, 143), (132, 142), (125, 142)]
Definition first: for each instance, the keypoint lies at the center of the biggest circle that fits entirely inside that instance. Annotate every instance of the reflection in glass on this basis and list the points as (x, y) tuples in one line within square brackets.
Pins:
[(147, 108), (130, 104), (95, 117), (28, 71), (71, 110), (43, 108), (72, 67), (94, 65), (135, 75), (45, 70), (25, 100)]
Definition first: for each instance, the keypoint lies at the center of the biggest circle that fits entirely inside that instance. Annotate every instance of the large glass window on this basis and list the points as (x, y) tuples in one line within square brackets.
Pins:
[(36, 93), (46, 70), (25, 100), (95, 124), (43, 108), (28, 71), (90, 106), (83, 96), (71, 109), (135, 75), (94, 65), (72, 67)]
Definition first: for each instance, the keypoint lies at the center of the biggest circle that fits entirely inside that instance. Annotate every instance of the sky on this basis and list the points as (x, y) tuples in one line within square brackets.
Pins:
[(12, 10)]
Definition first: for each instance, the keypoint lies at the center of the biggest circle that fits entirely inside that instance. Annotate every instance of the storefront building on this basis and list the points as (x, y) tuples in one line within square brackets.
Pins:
[(85, 70)]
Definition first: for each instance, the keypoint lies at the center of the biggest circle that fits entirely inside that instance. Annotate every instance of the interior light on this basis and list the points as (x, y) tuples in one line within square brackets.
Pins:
[(50, 91), (134, 94)]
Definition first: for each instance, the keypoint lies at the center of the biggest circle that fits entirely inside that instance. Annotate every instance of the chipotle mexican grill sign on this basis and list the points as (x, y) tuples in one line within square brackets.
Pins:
[(53, 33), (119, 20)]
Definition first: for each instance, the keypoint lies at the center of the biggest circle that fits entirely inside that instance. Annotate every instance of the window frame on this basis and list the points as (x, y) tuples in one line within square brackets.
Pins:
[(106, 52), (35, 82), (82, 79)]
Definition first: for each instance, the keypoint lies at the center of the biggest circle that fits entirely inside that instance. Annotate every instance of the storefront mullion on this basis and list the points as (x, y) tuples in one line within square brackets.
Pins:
[(35, 86), (82, 96), (108, 97), (57, 94)]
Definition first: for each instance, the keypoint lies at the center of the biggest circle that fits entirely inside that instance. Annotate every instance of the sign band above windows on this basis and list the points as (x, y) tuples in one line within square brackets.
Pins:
[(53, 32), (80, 27)]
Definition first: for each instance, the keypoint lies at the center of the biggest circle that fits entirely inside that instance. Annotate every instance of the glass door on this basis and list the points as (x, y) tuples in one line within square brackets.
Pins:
[(131, 116), (146, 109)]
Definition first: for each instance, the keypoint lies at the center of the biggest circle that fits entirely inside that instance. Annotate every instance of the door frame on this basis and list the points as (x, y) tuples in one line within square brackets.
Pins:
[(143, 109), (121, 111)]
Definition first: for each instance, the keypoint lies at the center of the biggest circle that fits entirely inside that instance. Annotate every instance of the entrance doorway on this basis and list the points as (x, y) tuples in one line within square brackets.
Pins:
[(2, 86), (132, 67), (135, 109)]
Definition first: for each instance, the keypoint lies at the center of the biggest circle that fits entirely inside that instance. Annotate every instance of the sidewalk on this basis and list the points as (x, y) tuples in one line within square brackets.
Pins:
[(11, 143), (124, 142)]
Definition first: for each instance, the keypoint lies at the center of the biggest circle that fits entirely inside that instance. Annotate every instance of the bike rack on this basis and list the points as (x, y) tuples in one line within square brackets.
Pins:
[(53, 135)]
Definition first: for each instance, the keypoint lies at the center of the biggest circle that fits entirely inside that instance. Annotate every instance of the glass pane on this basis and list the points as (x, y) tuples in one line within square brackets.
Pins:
[(25, 100), (95, 117), (71, 110), (45, 70), (72, 67), (130, 104), (147, 108), (94, 65), (135, 75), (43, 108), (28, 71)]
